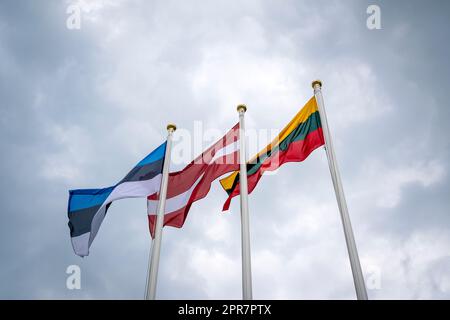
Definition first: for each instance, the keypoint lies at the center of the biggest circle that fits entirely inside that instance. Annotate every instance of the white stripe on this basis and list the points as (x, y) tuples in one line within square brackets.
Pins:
[(179, 201), (228, 149), (80, 244), (174, 203), (96, 222), (135, 189)]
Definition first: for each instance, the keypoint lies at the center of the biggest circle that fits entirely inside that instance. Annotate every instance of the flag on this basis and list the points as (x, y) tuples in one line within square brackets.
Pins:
[(87, 207), (194, 181), (294, 144)]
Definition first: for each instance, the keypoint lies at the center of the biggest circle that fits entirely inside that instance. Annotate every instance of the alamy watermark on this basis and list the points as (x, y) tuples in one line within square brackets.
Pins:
[(73, 21), (218, 146), (76, 9), (373, 277), (73, 281), (374, 20)]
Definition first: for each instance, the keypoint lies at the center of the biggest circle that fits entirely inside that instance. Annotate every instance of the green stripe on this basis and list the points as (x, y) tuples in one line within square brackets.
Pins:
[(303, 129), (298, 134)]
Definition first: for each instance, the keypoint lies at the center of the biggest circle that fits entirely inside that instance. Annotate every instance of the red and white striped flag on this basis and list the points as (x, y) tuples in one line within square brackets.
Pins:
[(194, 181)]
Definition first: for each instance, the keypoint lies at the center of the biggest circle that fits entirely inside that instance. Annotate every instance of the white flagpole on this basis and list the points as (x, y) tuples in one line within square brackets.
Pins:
[(358, 278), (245, 223), (156, 243)]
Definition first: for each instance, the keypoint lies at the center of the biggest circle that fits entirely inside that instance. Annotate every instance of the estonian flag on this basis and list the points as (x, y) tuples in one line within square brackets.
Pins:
[(87, 207)]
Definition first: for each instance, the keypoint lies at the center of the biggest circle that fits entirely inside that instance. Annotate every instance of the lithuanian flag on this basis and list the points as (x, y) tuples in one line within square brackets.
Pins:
[(294, 144)]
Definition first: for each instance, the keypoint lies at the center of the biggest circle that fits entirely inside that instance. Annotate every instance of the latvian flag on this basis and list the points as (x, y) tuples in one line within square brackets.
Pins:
[(87, 207), (294, 144), (194, 181)]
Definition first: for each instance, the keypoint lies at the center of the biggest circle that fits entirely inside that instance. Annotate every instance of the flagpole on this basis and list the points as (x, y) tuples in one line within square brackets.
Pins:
[(358, 278), (245, 223), (156, 243)]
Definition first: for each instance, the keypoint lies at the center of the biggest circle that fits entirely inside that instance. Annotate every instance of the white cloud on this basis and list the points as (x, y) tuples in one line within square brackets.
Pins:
[(93, 8), (68, 162), (217, 267), (355, 94), (409, 269), (387, 181)]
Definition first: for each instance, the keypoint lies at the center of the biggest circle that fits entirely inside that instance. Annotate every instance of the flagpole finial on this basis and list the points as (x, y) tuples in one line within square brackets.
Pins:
[(171, 127), (242, 107), (316, 82)]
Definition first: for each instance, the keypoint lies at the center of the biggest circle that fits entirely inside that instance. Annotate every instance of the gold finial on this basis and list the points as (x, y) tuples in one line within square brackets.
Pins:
[(316, 82), (242, 107), (171, 126)]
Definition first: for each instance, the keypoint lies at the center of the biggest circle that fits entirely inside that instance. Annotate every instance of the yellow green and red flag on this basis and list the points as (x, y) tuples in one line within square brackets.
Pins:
[(295, 143)]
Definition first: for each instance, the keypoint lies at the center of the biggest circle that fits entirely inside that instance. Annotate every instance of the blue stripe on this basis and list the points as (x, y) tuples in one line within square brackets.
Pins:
[(86, 198), (156, 155)]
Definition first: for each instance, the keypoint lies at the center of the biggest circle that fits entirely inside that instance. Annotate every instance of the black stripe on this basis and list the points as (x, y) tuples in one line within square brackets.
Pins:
[(145, 172), (80, 221)]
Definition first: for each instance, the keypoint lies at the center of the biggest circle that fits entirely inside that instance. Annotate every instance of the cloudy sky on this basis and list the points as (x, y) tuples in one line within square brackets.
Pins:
[(79, 108)]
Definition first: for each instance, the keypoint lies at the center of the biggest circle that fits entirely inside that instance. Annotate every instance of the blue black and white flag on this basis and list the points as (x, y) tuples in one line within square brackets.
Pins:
[(87, 207)]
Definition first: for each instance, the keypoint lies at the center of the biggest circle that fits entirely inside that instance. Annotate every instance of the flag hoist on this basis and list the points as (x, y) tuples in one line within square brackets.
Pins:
[(358, 278), (152, 276), (245, 223)]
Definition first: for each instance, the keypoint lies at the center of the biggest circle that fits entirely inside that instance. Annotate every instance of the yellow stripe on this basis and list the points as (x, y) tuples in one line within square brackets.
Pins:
[(227, 183), (309, 108), (303, 115)]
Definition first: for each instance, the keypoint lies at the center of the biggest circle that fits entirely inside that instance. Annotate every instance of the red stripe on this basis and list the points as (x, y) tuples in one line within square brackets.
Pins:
[(297, 151), (174, 219)]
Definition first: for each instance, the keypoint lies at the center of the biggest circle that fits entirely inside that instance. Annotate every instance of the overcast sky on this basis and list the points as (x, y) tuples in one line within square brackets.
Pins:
[(79, 108)]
